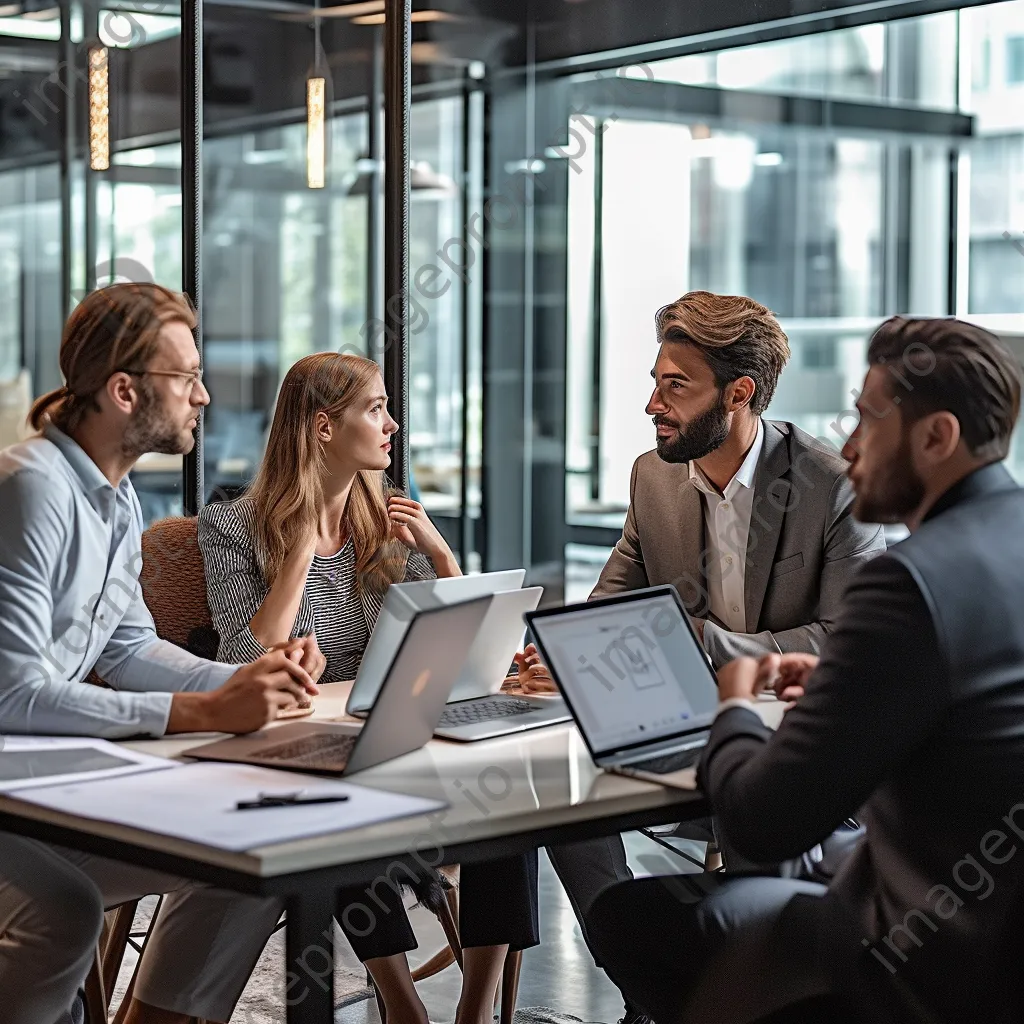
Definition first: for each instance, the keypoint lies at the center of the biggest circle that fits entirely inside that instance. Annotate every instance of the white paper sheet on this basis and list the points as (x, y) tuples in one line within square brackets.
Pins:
[(30, 761), (196, 802)]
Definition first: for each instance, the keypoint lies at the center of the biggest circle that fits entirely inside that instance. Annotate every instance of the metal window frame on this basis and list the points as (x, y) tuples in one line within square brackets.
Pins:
[(193, 491)]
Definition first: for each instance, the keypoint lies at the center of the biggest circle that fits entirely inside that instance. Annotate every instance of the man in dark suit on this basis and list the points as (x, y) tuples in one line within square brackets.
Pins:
[(913, 719), (749, 518)]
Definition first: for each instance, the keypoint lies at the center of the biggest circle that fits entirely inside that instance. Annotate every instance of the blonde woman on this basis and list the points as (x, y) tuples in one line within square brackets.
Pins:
[(311, 547)]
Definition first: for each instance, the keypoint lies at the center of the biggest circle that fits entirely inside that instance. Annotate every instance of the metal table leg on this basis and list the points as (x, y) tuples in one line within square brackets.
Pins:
[(309, 958)]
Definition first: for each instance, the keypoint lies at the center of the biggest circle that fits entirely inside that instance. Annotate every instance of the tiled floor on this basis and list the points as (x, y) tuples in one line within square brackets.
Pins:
[(559, 973)]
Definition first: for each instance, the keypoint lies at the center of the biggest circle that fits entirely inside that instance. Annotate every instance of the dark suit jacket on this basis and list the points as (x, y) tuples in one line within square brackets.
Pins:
[(914, 721), (802, 549)]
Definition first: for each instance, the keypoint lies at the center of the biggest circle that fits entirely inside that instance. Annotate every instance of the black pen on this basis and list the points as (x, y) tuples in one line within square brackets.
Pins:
[(288, 801)]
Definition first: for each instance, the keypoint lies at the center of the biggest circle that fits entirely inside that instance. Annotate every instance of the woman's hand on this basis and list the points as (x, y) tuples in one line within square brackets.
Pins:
[(411, 526), (305, 652), (533, 677)]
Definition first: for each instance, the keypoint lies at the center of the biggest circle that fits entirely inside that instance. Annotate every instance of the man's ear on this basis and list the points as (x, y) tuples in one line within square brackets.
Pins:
[(936, 437), (120, 393), (739, 394)]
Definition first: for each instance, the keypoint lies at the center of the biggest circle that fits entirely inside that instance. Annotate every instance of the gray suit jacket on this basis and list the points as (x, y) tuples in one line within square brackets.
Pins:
[(804, 545)]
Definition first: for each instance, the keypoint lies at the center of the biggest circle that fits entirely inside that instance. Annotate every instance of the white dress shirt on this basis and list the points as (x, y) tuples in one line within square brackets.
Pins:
[(726, 528)]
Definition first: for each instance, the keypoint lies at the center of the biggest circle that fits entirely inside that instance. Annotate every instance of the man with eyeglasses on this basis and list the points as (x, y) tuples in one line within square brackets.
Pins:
[(70, 601)]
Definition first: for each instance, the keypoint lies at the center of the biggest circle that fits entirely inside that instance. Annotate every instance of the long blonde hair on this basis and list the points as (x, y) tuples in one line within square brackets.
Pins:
[(288, 488), (111, 329)]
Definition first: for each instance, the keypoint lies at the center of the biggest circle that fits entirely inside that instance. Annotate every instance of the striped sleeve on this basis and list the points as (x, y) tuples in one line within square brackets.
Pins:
[(235, 587), (419, 567)]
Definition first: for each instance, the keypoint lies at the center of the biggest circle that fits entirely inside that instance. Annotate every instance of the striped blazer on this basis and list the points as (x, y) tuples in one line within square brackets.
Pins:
[(236, 586)]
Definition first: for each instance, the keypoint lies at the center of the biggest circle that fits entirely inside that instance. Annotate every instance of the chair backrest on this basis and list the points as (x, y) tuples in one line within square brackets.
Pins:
[(174, 585)]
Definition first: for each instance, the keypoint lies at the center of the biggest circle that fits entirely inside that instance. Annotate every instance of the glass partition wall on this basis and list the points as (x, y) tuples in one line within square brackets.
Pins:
[(571, 172), (838, 178)]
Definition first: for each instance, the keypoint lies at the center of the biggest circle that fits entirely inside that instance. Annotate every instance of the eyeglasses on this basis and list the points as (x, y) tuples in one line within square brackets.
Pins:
[(193, 377)]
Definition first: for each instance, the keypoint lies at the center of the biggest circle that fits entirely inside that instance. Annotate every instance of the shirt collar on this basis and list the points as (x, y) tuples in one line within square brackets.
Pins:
[(95, 485), (744, 475)]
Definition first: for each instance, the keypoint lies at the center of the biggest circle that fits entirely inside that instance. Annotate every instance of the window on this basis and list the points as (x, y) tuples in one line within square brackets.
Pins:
[(1015, 60), (981, 73), (831, 232)]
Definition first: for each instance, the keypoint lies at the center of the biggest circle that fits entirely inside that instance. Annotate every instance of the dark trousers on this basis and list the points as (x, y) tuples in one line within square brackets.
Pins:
[(586, 869), (497, 905), (744, 950), (735, 955)]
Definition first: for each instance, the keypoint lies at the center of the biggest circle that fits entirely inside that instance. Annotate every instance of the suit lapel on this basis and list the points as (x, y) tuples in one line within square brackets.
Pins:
[(771, 497), (693, 586)]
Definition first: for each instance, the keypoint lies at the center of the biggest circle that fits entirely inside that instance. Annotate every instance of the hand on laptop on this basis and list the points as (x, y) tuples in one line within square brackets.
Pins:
[(533, 677), (248, 700)]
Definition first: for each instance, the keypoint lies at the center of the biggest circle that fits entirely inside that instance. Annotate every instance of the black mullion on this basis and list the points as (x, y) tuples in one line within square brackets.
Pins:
[(192, 217), (397, 60)]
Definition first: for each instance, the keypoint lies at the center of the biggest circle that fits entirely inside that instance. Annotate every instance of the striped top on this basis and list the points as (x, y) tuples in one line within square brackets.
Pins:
[(341, 616)]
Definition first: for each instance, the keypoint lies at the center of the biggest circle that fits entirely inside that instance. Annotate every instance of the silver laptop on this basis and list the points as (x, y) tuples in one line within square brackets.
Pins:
[(635, 676), (401, 601), (476, 709), (429, 656)]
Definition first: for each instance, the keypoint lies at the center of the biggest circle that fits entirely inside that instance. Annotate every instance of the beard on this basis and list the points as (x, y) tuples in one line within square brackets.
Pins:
[(700, 437), (893, 494), (153, 429)]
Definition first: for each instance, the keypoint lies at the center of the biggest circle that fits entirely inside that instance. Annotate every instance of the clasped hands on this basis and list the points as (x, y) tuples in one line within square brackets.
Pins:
[(785, 675)]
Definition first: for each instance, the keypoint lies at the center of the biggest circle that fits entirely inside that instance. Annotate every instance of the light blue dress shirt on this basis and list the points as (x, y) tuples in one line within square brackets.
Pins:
[(70, 601)]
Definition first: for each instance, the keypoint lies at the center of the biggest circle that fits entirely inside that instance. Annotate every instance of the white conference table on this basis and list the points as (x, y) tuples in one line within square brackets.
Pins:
[(504, 796)]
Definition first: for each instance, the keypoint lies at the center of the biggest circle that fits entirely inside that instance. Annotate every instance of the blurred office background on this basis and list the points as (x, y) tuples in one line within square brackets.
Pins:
[(577, 164)]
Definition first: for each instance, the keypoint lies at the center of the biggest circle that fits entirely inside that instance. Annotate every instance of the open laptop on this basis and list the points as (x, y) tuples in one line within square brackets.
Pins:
[(476, 708), (635, 676), (401, 601), (428, 658)]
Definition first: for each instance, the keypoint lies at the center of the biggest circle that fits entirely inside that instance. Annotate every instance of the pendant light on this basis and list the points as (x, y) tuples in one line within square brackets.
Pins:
[(316, 113), (99, 109)]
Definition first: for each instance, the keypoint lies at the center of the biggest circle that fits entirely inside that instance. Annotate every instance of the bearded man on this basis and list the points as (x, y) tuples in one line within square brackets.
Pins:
[(750, 519)]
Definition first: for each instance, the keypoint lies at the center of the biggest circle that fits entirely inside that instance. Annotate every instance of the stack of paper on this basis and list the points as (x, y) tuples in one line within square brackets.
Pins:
[(197, 802)]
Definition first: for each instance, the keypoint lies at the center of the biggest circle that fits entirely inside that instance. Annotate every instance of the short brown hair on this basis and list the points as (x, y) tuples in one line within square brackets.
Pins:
[(947, 365), (111, 329), (738, 337)]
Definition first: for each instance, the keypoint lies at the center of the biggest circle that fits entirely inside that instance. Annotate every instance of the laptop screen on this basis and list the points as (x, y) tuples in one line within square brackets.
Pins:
[(631, 669)]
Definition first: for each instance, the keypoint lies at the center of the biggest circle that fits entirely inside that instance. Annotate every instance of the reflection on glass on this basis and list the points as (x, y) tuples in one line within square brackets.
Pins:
[(792, 220), (831, 231), (992, 36), (284, 276)]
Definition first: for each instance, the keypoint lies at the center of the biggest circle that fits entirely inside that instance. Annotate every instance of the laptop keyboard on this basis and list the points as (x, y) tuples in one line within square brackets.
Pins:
[(669, 762), (320, 750), (472, 711)]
